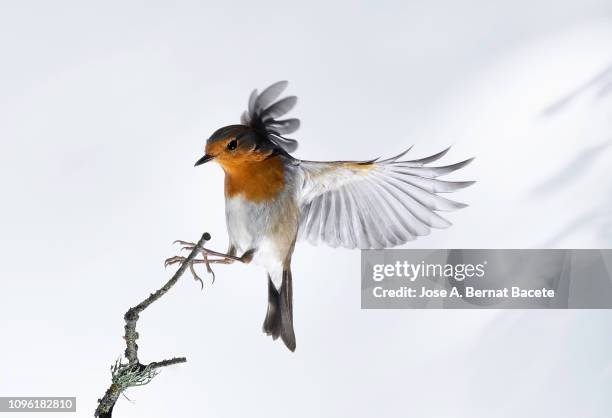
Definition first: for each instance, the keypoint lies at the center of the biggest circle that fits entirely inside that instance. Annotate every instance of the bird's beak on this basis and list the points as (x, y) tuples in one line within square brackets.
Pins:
[(206, 158)]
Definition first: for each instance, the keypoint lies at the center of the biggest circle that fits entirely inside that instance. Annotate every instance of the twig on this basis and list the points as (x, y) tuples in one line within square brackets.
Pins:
[(135, 373)]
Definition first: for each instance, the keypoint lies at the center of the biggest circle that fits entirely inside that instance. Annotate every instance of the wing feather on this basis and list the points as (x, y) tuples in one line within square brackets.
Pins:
[(261, 114), (357, 222), (377, 203), (267, 96), (413, 226), (279, 108), (390, 234)]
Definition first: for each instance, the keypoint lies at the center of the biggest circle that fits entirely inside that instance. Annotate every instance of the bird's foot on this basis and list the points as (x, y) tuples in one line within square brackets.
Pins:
[(221, 258)]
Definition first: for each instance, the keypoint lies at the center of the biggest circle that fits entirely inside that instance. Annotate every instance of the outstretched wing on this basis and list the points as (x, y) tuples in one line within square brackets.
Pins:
[(374, 204), (263, 111)]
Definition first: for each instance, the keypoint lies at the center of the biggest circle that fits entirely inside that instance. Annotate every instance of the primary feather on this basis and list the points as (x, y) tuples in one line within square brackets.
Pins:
[(374, 204)]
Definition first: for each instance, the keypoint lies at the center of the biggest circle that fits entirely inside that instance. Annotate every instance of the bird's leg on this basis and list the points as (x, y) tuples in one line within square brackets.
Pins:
[(188, 246)]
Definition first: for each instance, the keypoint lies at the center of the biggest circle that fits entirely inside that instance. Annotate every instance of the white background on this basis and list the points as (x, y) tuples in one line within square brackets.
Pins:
[(105, 106)]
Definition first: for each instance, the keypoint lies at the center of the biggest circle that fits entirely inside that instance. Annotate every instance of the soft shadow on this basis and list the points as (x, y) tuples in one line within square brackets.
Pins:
[(578, 166), (602, 82), (578, 224)]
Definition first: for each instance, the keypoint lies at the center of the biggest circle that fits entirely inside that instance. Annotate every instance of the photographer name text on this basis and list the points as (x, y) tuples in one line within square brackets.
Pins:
[(467, 292)]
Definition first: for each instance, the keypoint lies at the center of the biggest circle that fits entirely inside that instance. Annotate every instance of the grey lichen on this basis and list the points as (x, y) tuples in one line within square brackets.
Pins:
[(126, 376)]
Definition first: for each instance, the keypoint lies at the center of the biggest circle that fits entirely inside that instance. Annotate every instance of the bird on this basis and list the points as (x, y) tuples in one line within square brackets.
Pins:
[(273, 200)]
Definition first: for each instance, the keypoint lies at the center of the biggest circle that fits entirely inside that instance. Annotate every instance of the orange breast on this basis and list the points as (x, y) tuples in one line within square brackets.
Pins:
[(257, 181)]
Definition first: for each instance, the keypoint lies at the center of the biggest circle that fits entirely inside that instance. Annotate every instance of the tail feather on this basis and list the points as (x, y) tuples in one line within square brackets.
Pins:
[(279, 317), (271, 325), (286, 308)]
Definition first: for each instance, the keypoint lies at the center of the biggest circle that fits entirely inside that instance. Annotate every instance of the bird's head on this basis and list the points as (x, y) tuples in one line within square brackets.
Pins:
[(234, 145), (259, 135)]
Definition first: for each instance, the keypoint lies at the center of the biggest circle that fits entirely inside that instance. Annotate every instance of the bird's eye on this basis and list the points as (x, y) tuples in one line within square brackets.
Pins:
[(232, 145)]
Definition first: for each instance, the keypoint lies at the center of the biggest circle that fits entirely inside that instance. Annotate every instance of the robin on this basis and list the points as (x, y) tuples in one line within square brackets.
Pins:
[(273, 199)]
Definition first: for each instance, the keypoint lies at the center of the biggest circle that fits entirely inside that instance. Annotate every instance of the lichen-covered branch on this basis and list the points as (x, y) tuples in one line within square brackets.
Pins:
[(134, 373)]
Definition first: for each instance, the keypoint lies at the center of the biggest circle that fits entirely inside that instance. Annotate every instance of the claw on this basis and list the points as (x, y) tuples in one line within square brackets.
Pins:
[(208, 268), (178, 241), (173, 260), (195, 276)]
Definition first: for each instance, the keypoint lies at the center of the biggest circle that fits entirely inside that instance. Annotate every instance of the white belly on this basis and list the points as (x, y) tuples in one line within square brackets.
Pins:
[(246, 223), (254, 226)]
